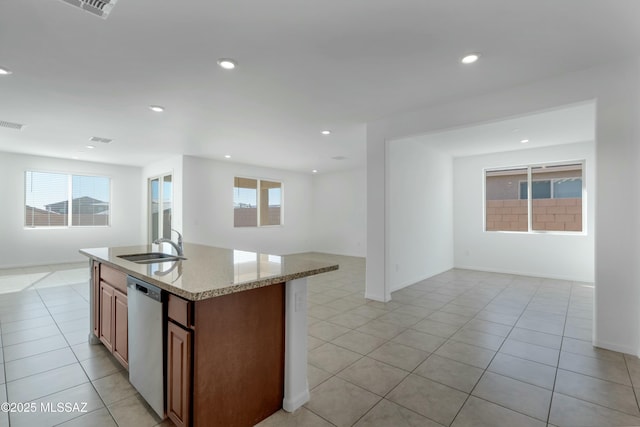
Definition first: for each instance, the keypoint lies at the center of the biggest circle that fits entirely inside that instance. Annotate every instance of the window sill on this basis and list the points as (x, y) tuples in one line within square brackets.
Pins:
[(541, 232)]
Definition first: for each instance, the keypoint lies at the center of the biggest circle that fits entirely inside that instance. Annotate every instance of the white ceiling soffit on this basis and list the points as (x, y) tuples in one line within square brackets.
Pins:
[(564, 125), (101, 8)]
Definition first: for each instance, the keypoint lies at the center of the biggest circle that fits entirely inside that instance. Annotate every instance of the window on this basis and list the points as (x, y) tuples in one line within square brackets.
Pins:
[(270, 195), (49, 195), (558, 188), (160, 207), (253, 208), (555, 203)]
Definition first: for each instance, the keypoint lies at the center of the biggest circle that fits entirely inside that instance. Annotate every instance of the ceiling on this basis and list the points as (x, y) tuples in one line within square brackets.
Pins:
[(303, 66), (566, 125)]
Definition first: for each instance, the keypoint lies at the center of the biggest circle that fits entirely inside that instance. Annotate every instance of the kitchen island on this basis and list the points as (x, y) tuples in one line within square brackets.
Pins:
[(235, 328)]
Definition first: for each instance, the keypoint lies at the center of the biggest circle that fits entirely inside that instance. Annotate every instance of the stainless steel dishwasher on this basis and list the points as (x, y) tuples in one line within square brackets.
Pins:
[(146, 341)]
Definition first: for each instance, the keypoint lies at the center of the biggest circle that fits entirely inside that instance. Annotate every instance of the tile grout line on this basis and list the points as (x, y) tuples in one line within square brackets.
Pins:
[(497, 351), (31, 286), (445, 342), (431, 353), (635, 394), (555, 378), (352, 363), (531, 299), (78, 361), (325, 380), (4, 370)]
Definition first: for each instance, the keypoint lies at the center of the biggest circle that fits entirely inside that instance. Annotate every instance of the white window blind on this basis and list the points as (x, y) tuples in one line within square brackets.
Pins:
[(90, 202), (61, 200)]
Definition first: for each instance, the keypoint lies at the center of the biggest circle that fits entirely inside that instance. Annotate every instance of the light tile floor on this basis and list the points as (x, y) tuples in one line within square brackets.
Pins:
[(44, 325), (464, 348)]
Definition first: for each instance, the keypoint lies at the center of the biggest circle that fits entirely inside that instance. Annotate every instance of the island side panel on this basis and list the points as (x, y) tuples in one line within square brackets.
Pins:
[(239, 357), (296, 386)]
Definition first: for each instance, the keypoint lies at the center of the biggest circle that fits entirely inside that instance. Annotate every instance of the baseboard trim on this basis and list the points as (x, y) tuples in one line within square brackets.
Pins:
[(376, 297), (414, 281), (523, 273), (292, 404), (615, 347)]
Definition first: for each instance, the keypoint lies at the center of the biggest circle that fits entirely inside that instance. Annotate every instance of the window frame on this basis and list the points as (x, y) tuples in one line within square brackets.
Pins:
[(552, 190), (530, 167), (161, 199), (258, 208), (69, 176)]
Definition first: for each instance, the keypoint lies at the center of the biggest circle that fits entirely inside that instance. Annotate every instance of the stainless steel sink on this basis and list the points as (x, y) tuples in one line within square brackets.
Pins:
[(147, 258)]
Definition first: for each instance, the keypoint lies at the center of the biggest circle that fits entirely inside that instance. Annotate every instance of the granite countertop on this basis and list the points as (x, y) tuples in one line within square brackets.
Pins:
[(210, 272)]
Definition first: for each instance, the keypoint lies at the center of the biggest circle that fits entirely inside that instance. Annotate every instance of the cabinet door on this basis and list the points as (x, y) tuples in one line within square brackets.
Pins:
[(95, 283), (106, 315), (178, 374), (120, 339)]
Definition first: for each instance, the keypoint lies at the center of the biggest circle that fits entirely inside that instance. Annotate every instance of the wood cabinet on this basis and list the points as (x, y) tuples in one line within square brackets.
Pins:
[(106, 315), (224, 355), (225, 358), (110, 311), (120, 324), (179, 342)]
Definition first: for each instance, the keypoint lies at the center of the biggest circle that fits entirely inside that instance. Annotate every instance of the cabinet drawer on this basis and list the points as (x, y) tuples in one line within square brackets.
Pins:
[(115, 278), (180, 311)]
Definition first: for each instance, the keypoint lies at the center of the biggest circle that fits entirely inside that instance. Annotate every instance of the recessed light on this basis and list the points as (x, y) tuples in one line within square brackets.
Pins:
[(156, 108), (470, 58), (91, 147), (524, 141), (5, 71), (226, 63), (326, 132), (75, 157), (315, 171), (227, 156)]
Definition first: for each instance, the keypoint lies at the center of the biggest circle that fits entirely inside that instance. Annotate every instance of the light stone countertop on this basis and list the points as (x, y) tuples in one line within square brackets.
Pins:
[(210, 272)]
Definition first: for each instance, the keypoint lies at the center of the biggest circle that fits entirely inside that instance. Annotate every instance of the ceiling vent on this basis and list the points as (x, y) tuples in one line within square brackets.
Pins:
[(10, 125), (101, 8), (339, 158), (98, 139)]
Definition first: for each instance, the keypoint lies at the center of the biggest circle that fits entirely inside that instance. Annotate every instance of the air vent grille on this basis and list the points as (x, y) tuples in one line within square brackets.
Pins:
[(101, 8), (99, 139), (10, 125)]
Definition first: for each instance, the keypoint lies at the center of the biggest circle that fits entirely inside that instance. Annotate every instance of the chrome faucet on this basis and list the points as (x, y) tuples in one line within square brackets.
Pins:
[(177, 246)]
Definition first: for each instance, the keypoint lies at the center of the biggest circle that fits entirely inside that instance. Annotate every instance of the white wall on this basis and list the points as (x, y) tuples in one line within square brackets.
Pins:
[(22, 246), (377, 287), (560, 256), (338, 224), (617, 314), (617, 270), (208, 208), (420, 213)]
